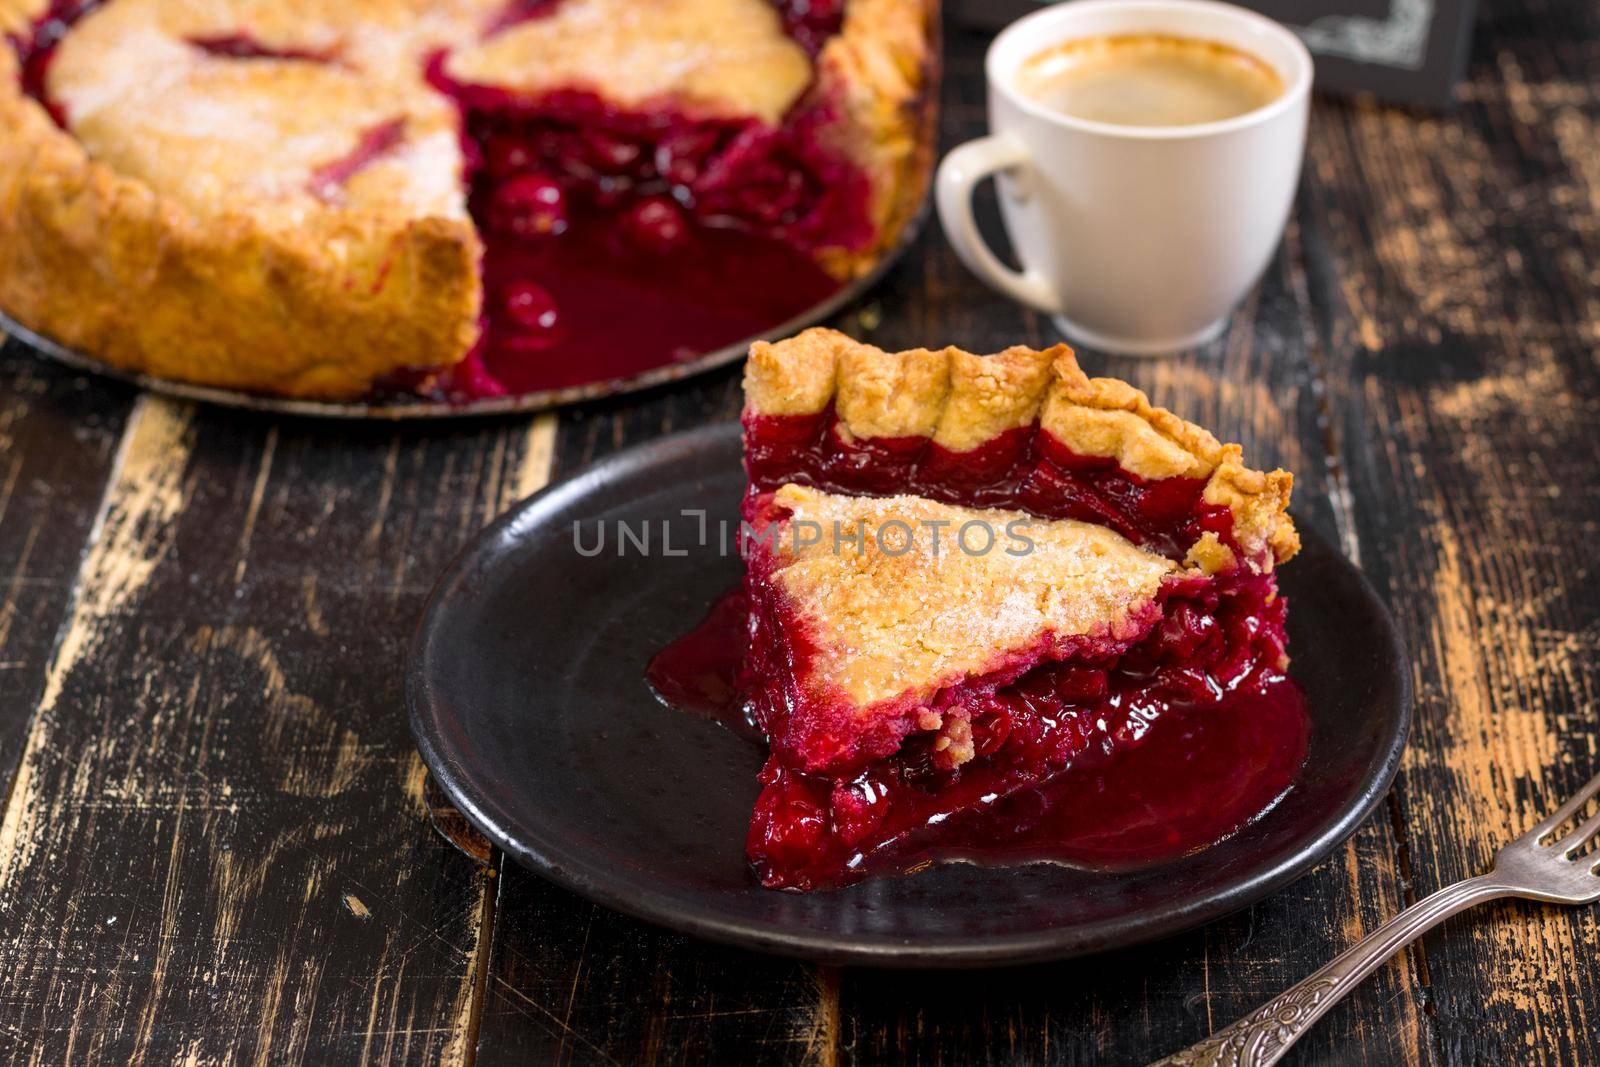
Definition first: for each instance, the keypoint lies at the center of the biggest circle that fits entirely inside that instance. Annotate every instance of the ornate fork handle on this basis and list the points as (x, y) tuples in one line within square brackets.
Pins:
[(1264, 1036)]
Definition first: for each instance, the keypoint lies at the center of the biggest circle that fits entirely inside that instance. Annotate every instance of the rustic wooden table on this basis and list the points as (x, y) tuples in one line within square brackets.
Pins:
[(214, 847)]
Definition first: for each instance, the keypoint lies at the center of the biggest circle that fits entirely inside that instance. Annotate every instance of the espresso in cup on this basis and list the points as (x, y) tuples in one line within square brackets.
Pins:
[(1149, 80), (1139, 231)]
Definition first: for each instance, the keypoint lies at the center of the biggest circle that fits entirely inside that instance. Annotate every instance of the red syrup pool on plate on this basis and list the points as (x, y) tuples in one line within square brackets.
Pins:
[(1192, 776)]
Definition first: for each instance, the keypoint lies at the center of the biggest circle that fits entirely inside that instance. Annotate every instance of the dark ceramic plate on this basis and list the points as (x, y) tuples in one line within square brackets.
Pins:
[(528, 701)]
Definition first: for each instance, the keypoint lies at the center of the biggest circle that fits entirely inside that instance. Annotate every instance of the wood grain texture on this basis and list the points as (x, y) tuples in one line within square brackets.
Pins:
[(58, 437), (214, 849), (1464, 323)]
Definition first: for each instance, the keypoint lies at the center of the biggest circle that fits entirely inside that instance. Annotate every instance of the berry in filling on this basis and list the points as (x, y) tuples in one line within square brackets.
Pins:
[(987, 772), (657, 235)]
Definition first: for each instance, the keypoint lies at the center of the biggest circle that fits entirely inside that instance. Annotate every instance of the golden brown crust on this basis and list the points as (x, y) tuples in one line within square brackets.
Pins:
[(992, 394), (796, 376), (729, 57), (891, 394), (18, 16), (946, 395), (881, 72), (100, 263), (1109, 417), (1259, 501)]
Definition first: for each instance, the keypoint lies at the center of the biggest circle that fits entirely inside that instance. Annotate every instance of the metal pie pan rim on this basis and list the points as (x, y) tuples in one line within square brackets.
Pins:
[(401, 409)]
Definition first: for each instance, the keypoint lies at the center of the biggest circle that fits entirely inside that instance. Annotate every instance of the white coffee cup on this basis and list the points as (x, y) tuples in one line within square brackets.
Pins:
[(1135, 239)]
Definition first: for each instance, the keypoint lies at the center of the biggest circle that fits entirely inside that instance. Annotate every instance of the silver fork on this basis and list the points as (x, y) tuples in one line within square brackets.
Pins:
[(1529, 867)]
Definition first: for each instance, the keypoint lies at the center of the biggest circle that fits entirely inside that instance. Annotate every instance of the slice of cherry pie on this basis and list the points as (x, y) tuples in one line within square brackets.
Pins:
[(970, 577), (461, 197)]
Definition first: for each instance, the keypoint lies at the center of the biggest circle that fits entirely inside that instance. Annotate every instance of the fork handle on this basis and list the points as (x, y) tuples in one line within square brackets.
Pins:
[(1264, 1036)]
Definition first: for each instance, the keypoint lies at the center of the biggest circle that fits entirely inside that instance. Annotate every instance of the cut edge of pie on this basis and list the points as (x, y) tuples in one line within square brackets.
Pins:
[(898, 686), (959, 407), (101, 262)]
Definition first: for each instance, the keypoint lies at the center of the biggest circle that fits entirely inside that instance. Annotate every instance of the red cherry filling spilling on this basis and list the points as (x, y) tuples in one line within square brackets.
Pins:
[(1217, 646), (1110, 753), (1130, 782), (1127, 755), (658, 235)]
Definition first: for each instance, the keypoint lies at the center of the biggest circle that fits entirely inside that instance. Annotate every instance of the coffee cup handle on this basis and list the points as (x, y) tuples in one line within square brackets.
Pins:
[(959, 174)]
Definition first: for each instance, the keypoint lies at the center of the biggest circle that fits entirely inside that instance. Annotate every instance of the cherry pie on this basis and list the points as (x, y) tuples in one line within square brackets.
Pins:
[(969, 577), (460, 197)]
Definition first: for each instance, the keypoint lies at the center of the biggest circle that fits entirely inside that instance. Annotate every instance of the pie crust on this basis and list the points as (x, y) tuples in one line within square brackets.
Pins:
[(137, 261), (961, 401)]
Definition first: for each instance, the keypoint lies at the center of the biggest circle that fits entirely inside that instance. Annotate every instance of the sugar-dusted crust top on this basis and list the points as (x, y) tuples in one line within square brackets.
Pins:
[(101, 262), (18, 16), (725, 57), (960, 400), (892, 612), (217, 134)]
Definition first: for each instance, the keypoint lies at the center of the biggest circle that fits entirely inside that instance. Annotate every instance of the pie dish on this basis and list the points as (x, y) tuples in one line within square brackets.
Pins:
[(967, 578), (461, 199)]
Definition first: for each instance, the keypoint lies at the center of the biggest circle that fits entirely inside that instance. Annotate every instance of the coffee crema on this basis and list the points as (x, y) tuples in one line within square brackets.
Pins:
[(1149, 80)]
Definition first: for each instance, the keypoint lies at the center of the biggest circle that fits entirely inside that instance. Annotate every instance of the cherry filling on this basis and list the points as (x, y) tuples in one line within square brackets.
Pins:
[(519, 11), (1187, 776), (1097, 751), (1023, 469), (647, 237), (1218, 645), (328, 181), (37, 48), (616, 241), (1127, 754), (811, 22)]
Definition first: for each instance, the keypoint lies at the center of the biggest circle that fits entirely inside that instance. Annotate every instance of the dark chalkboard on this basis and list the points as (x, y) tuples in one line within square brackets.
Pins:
[(1407, 51)]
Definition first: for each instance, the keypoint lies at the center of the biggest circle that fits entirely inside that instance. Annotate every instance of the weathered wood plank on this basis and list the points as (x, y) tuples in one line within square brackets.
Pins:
[(1462, 333), (215, 850), (569, 982), (1260, 385), (572, 983), (58, 437)]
